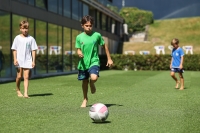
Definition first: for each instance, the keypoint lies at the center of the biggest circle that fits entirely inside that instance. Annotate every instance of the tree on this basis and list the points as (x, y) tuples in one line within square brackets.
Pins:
[(136, 19)]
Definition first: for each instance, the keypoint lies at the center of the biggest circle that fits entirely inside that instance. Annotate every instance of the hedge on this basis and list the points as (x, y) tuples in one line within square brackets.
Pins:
[(149, 62)]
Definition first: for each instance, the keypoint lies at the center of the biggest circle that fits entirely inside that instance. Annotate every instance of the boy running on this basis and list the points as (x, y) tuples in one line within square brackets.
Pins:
[(87, 44)]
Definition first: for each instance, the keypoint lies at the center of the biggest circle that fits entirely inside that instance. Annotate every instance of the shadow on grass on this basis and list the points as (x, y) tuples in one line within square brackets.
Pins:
[(44, 94), (105, 122)]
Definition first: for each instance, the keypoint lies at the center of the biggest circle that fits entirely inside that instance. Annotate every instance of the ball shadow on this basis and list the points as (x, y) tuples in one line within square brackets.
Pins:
[(108, 105), (105, 122)]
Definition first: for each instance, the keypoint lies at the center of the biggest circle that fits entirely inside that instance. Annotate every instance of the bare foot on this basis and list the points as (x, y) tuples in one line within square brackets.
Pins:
[(92, 88), (19, 94), (182, 88), (177, 84), (84, 103), (26, 96)]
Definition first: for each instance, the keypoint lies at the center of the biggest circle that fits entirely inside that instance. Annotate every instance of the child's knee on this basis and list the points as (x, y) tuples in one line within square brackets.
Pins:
[(172, 74), (181, 76), (26, 77), (93, 77), (19, 77)]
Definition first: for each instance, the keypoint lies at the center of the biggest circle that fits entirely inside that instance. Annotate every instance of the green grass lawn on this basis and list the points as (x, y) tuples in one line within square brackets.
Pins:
[(161, 32), (138, 102)]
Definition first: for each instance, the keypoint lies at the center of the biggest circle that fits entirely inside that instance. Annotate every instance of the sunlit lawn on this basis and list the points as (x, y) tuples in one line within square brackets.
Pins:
[(138, 101)]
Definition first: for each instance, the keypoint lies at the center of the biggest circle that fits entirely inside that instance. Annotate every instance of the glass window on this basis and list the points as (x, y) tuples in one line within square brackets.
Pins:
[(67, 56), (97, 22), (31, 2), (109, 24), (53, 6), (41, 54), (104, 22), (55, 48), (25, 1), (60, 7), (75, 58), (67, 8), (31, 26), (5, 60), (85, 9), (41, 4), (75, 9)]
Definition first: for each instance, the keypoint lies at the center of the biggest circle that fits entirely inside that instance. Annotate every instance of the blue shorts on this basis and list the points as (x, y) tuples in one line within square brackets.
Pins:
[(85, 74), (177, 70)]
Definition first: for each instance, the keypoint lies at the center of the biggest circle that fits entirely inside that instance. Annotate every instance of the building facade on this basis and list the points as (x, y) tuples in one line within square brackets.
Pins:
[(54, 24)]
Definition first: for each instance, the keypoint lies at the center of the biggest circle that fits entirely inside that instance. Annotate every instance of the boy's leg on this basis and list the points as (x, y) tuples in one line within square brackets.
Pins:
[(182, 81), (93, 79), (174, 77), (94, 74), (26, 77), (18, 81), (85, 91)]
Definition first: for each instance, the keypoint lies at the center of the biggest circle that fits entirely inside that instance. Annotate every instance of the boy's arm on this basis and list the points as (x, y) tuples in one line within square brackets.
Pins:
[(171, 63), (181, 64), (79, 52), (109, 62), (33, 58), (15, 58)]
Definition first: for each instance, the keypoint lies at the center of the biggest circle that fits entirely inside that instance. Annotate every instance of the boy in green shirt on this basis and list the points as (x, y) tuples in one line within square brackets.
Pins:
[(87, 44)]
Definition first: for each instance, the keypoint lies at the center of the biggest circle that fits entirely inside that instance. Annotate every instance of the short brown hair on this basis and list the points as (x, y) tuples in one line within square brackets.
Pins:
[(86, 19), (174, 41), (24, 24)]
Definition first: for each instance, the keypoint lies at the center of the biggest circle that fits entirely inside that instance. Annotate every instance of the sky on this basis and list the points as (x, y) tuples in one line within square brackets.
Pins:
[(164, 9)]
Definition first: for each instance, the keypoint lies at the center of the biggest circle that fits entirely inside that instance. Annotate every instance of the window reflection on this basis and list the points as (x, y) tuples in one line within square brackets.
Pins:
[(60, 7), (67, 8), (55, 48), (67, 56), (41, 54), (25, 1), (41, 4), (75, 58), (97, 22), (53, 6), (85, 9), (103, 22), (75, 9), (5, 61), (31, 2)]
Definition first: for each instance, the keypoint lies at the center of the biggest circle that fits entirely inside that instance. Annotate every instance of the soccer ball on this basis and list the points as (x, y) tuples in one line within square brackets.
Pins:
[(98, 112)]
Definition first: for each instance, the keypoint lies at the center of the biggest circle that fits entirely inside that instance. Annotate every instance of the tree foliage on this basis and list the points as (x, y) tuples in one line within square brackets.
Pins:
[(136, 19)]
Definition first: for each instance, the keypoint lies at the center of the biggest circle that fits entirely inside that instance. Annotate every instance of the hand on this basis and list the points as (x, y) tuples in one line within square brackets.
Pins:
[(80, 54), (33, 64), (109, 63), (170, 66), (16, 63), (181, 66)]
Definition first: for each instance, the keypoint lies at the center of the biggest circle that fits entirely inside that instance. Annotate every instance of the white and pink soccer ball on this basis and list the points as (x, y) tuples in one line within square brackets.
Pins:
[(98, 112)]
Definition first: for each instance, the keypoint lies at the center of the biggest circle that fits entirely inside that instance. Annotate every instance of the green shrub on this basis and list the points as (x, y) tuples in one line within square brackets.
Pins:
[(136, 19), (149, 62)]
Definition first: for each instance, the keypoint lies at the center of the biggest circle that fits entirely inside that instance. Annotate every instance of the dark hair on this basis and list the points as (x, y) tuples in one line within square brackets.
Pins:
[(24, 24), (86, 19), (175, 41)]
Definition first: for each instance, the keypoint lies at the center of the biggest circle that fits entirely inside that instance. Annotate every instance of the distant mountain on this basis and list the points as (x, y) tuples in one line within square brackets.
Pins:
[(164, 9)]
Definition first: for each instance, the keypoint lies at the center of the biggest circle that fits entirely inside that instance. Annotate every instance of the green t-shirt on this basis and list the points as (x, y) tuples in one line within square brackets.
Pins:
[(89, 45)]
